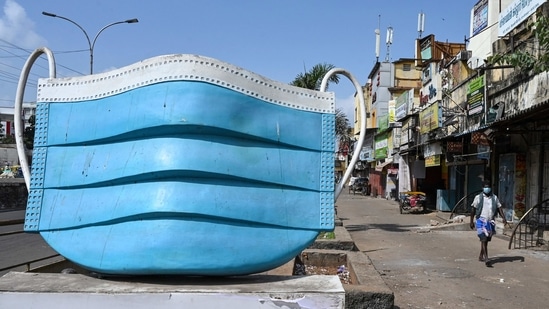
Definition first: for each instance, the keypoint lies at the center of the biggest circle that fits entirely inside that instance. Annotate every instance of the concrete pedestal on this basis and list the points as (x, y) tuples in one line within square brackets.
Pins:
[(46, 290)]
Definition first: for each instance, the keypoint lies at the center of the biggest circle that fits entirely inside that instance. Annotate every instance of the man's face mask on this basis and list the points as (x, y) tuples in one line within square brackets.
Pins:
[(487, 190)]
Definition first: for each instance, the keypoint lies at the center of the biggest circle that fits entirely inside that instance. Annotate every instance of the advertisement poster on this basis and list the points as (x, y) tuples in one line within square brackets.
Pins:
[(480, 16)]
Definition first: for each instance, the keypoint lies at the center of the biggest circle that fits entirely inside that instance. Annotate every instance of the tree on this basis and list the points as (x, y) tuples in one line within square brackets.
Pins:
[(343, 128), (313, 78), (528, 58)]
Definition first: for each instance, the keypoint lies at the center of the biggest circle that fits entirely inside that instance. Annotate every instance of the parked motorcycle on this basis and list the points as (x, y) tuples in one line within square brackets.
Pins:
[(360, 185), (412, 201)]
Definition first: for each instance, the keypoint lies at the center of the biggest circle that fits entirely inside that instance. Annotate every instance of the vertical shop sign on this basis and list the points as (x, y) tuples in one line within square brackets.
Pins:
[(381, 144), (404, 104), (475, 96)]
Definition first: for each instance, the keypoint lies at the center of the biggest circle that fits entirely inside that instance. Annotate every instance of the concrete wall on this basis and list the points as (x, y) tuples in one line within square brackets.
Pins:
[(13, 194), (8, 155)]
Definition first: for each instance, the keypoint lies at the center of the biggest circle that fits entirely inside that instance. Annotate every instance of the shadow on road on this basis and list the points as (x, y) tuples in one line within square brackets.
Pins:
[(503, 259), (385, 227)]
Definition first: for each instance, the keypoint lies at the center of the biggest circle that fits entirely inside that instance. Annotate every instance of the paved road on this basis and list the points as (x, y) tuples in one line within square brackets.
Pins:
[(440, 269)]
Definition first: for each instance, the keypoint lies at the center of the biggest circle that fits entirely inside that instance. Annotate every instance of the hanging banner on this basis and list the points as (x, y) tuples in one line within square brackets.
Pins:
[(404, 181), (381, 145)]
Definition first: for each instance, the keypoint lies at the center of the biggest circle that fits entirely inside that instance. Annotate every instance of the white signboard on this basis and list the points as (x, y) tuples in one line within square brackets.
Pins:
[(404, 104), (433, 149), (515, 13)]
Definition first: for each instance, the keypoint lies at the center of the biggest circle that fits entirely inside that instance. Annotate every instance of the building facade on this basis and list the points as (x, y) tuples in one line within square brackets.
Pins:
[(455, 119)]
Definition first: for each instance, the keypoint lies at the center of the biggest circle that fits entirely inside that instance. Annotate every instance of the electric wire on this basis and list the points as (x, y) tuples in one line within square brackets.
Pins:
[(11, 53)]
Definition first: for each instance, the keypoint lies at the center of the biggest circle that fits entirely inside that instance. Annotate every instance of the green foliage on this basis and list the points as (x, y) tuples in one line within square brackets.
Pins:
[(526, 59), (312, 79), (8, 139), (542, 33), (342, 126), (326, 235)]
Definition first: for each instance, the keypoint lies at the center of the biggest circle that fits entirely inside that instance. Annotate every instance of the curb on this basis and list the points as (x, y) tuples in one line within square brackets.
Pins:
[(370, 290)]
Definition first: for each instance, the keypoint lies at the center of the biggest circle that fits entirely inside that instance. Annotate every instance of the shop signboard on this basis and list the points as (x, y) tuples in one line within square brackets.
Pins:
[(404, 104), (516, 13), (381, 145), (475, 96), (432, 161), (430, 118), (432, 149), (383, 123)]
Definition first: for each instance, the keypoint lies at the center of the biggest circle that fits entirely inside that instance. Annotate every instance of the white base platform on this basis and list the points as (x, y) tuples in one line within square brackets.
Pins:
[(47, 290)]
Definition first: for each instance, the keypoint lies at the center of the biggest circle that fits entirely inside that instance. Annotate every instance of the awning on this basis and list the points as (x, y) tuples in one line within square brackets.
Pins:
[(474, 128), (379, 167)]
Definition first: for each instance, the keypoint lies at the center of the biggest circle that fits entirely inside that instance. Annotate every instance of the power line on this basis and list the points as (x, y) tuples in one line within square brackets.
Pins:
[(28, 52), (13, 51)]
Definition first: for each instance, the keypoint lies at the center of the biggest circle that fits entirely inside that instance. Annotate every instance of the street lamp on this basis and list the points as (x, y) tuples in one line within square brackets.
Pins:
[(91, 44)]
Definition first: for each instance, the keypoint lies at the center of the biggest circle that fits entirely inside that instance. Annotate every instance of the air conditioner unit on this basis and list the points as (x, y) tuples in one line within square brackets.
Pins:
[(464, 55), (499, 47)]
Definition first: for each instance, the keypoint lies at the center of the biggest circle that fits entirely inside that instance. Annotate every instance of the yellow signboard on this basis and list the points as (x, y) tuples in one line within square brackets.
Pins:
[(432, 161)]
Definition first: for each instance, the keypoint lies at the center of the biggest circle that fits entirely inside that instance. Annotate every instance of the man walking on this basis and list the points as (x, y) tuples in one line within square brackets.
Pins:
[(485, 207)]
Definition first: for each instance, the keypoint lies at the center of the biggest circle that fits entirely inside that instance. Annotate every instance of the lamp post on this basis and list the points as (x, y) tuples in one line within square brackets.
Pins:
[(91, 44)]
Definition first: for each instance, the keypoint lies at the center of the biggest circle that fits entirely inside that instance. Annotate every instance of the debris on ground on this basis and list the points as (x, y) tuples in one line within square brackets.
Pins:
[(341, 271)]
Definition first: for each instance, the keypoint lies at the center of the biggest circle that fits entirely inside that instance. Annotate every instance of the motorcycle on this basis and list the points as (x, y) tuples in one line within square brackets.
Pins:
[(360, 185), (412, 201)]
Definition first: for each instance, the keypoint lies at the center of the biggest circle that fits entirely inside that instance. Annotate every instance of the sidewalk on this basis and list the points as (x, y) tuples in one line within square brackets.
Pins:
[(436, 268)]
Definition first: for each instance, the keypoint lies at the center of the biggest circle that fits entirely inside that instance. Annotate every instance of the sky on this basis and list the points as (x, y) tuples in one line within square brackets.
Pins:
[(277, 39)]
